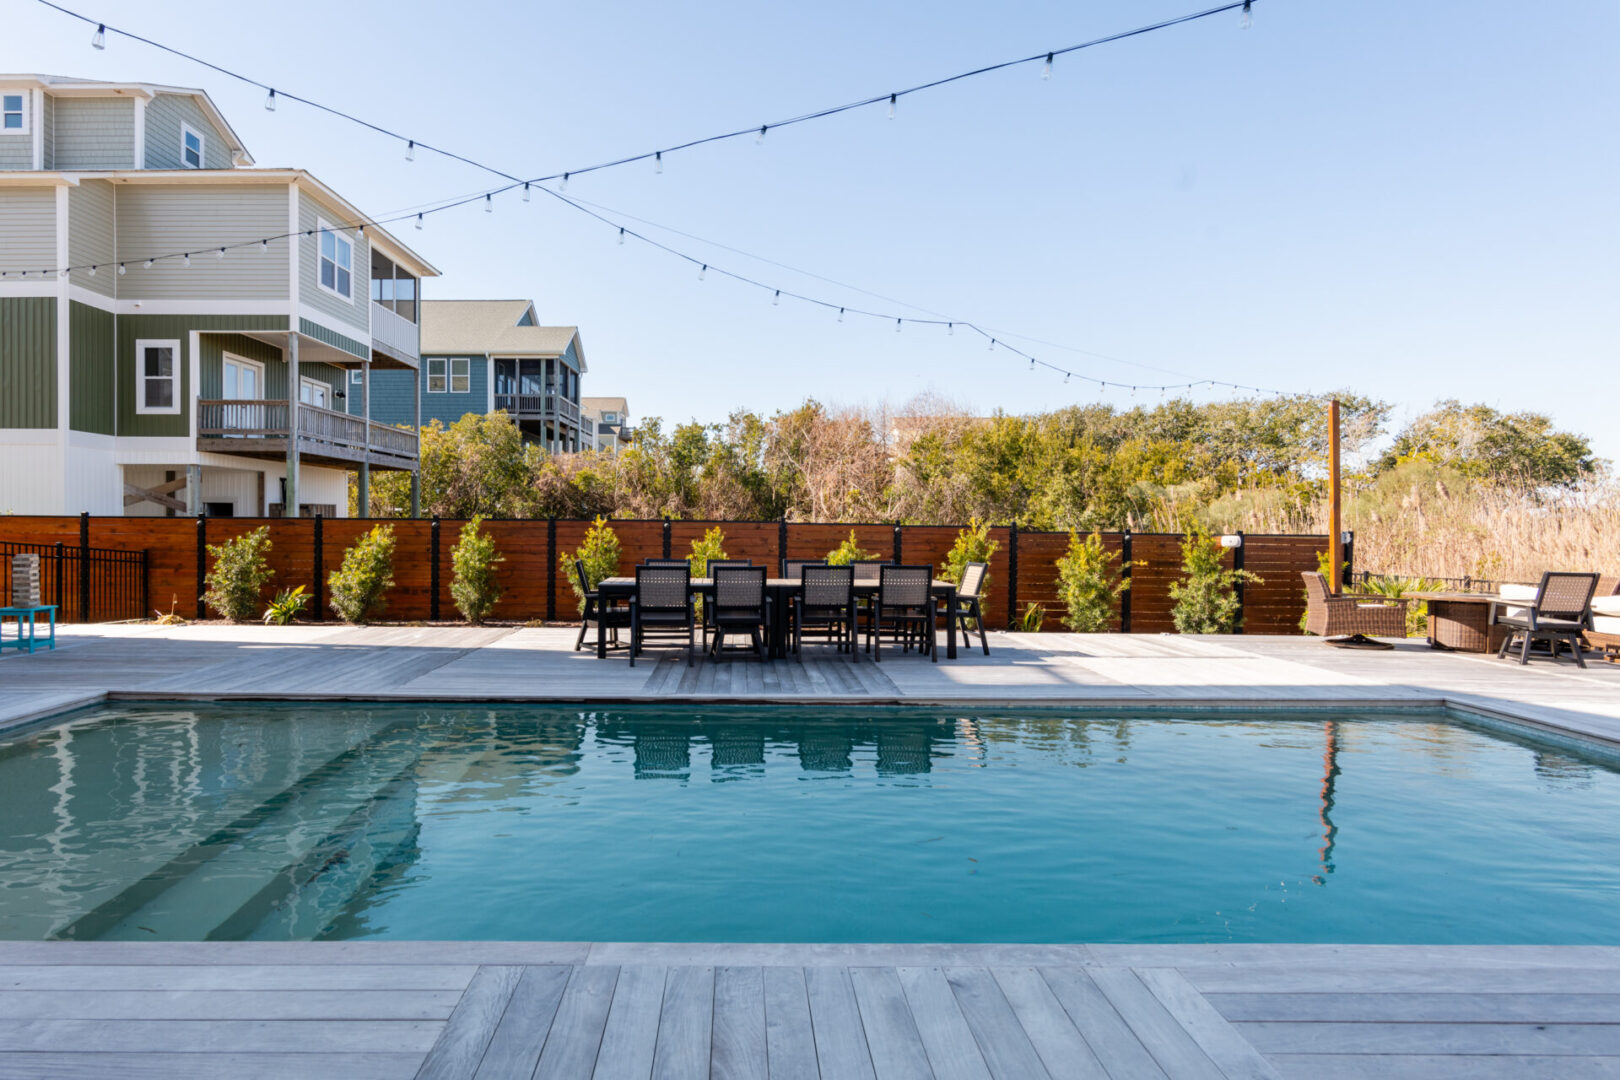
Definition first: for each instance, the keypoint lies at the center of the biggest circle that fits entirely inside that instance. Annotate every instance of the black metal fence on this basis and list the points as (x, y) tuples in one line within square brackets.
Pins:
[(86, 584), (1460, 584)]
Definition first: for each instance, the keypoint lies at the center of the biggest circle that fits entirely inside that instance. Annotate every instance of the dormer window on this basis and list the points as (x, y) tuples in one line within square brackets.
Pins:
[(191, 147), (14, 114)]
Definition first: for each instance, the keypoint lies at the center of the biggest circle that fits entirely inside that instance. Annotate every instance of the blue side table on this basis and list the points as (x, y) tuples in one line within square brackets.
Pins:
[(31, 614)]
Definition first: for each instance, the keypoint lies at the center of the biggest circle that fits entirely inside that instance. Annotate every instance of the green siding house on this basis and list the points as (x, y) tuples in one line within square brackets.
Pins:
[(181, 332), (480, 356)]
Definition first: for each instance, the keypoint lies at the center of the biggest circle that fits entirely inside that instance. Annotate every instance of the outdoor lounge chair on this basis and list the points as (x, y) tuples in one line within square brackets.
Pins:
[(662, 606), (1332, 616), (904, 603), (828, 603), (738, 607), (1558, 615), (609, 619), (969, 604)]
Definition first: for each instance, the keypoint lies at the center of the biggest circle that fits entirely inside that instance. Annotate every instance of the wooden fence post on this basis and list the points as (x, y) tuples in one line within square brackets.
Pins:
[(84, 567), (202, 564), (1012, 578), (433, 569), (1125, 575), (551, 569), (319, 565), (1237, 564)]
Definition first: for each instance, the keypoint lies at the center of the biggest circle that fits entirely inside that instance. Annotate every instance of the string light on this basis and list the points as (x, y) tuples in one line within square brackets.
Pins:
[(761, 136), (121, 270), (270, 102), (92, 271), (418, 222), (264, 246), (562, 185), (703, 271), (98, 40), (950, 329), (489, 204), (1046, 69), (658, 163), (621, 236), (992, 345), (776, 301), (410, 149), (1248, 13), (897, 326), (148, 265), (221, 255), (525, 192), (840, 314), (187, 259), (892, 99)]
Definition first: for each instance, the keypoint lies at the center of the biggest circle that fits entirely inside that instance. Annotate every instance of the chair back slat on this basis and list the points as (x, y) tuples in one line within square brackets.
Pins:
[(869, 571), (715, 564), (792, 569), (904, 586), (665, 562), (1565, 596), (828, 586), (972, 580), (663, 588), (738, 588)]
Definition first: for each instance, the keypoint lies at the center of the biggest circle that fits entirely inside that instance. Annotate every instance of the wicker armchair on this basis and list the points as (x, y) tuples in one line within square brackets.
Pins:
[(1327, 615)]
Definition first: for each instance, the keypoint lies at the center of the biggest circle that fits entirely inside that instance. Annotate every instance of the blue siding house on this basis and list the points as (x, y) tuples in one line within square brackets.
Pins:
[(479, 356)]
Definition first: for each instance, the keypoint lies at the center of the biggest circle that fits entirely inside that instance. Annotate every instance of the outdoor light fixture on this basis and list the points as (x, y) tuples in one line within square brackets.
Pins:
[(410, 150), (270, 102), (526, 189), (99, 39), (1232, 541), (1046, 71), (658, 162), (418, 222)]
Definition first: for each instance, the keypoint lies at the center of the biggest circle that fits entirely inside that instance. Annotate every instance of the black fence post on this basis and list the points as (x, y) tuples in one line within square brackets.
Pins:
[(551, 569), (1237, 564), (84, 567), (146, 583), (666, 538), (1012, 578), (1125, 576), (433, 569), (781, 542), (320, 571), (202, 564), (899, 546), (61, 609), (1349, 554)]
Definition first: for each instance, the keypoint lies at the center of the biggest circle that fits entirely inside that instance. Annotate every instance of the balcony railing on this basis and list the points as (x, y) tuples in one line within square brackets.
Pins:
[(260, 428), (538, 405), (394, 331)]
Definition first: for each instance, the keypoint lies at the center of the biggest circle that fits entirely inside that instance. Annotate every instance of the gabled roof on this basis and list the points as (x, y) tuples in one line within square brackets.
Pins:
[(490, 327), (66, 86), (604, 404)]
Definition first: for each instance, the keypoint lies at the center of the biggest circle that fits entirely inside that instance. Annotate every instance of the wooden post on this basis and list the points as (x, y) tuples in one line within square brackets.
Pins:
[(84, 567), (1012, 578), (289, 506), (551, 569), (1335, 519), (320, 571), (1125, 575), (194, 503), (202, 565)]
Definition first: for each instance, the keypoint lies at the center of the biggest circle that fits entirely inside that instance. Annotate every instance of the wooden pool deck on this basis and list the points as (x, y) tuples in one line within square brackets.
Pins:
[(496, 1009)]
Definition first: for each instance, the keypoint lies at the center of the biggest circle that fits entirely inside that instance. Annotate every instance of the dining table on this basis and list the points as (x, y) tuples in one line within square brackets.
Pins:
[(780, 590), (1462, 621)]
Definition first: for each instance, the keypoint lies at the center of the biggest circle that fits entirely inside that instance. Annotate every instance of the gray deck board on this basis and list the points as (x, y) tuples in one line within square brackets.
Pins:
[(228, 1004), (1063, 1050), (892, 1039), (685, 1025), (630, 1035), (1444, 1067), (1106, 1032), (949, 1042), (790, 1042), (461, 1044), (576, 1031), (219, 1036), (514, 1045), (1007, 1050), (74, 1065), (1176, 1051), (739, 1025), (836, 1020), (1207, 1027)]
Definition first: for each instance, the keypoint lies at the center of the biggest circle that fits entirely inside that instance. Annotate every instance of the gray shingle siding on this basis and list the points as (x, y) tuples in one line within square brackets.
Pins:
[(95, 133), (164, 115)]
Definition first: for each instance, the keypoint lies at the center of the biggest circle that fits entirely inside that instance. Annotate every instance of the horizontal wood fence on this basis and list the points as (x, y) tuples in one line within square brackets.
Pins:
[(536, 584)]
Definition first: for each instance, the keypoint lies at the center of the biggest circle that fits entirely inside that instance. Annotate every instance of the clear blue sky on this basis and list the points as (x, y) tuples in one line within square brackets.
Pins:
[(1412, 200)]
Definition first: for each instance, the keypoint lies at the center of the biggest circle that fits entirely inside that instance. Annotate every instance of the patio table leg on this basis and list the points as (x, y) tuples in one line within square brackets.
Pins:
[(950, 625)]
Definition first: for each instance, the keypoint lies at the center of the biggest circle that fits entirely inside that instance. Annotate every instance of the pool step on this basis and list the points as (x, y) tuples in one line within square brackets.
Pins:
[(200, 888)]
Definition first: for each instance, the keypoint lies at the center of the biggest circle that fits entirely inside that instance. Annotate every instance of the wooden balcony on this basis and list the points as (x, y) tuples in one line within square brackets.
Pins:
[(259, 429), (538, 407)]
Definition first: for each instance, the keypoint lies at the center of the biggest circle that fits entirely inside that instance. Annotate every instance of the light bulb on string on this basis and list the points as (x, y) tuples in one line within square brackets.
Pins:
[(840, 314), (185, 260), (121, 270), (897, 326), (92, 271), (489, 204), (526, 188), (703, 271), (1065, 377), (893, 98), (270, 101), (221, 254), (776, 301), (562, 185), (1046, 69), (761, 136), (419, 222), (1032, 363), (98, 40), (658, 162), (950, 329), (992, 346), (410, 150), (1248, 14), (621, 236), (264, 246), (148, 265)]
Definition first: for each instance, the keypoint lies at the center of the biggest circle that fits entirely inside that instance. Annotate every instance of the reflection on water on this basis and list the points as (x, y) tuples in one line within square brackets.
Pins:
[(295, 823)]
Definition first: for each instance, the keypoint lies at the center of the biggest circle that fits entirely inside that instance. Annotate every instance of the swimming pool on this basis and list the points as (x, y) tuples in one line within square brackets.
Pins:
[(298, 822)]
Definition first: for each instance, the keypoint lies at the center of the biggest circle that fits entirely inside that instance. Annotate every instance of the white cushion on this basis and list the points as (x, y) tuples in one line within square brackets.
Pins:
[(1606, 624), (1516, 592), (1606, 605)]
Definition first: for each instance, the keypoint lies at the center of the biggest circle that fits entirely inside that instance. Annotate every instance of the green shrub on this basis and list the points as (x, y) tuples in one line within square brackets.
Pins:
[(367, 572), (1089, 581), (472, 584), (1033, 618), (973, 544), (287, 606), (712, 546), (850, 551), (1206, 596), (239, 575), (599, 552)]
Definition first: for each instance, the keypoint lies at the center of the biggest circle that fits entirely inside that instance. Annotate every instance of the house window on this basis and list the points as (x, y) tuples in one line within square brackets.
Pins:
[(157, 376), (191, 147), (337, 262), (610, 418), (460, 375), (314, 392), (435, 380), (14, 113)]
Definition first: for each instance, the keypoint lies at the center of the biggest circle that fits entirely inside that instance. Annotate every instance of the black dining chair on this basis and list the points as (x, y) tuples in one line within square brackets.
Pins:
[(904, 603), (662, 606), (826, 602), (608, 617), (664, 562), (866, 571), (791, 567), (738, 606), (969, 604)]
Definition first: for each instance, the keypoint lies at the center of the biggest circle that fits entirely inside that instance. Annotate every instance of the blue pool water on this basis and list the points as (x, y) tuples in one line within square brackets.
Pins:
[(296, 822)]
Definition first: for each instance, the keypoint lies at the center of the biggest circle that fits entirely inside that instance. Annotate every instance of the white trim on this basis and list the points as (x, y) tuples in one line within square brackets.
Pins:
[(427, 374), (27, 109), (451, 380), (203, 307), (141, 408), (39, 129), (28, 437), (40, 287), (194, 339), (140, 131), (202, 147), (236, 358), (489, 382), (314, 384), (322, 230)]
